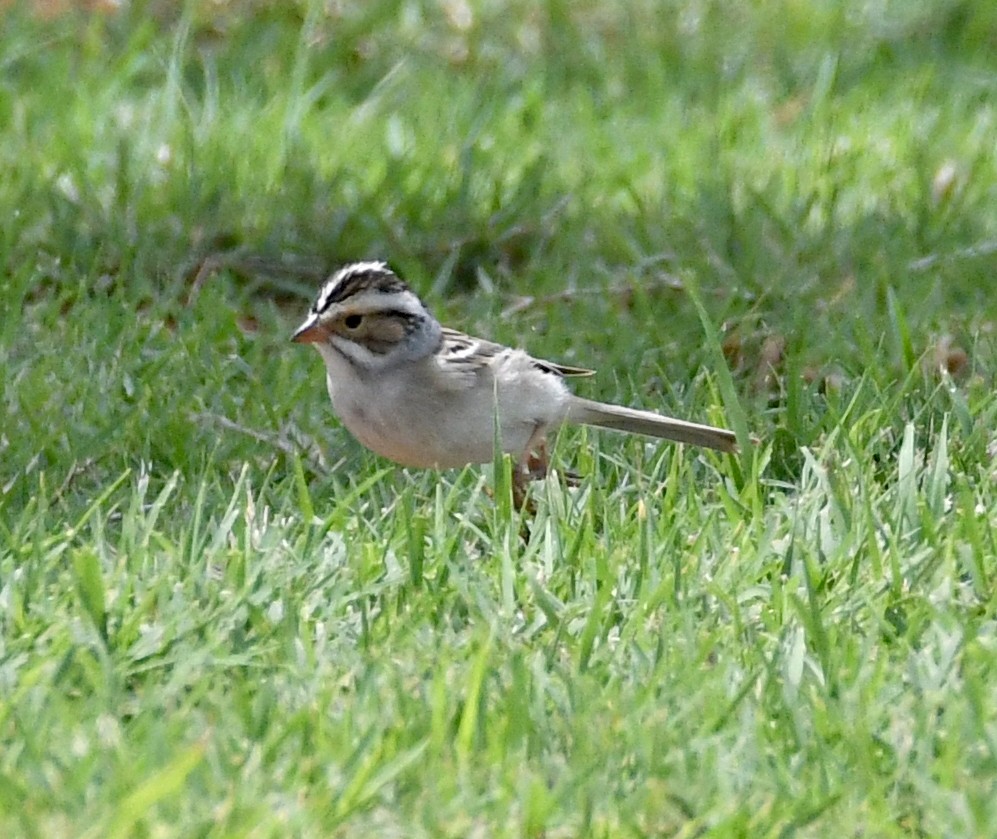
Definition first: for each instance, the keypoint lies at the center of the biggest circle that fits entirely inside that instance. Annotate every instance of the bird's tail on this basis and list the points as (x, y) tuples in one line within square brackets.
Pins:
[(603, 415)]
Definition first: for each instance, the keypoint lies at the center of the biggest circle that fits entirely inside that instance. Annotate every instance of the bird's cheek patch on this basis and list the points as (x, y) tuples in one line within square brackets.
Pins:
[(379, 333), (385, 330)]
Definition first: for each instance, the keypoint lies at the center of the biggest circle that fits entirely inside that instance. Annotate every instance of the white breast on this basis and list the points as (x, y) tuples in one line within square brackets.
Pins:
[(419, 415)]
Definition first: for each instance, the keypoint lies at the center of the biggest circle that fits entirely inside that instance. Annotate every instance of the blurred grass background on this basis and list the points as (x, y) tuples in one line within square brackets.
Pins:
[(184, 525)]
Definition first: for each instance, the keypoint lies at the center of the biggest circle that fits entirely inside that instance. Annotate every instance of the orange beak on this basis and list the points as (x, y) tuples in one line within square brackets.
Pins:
[(310, 332)]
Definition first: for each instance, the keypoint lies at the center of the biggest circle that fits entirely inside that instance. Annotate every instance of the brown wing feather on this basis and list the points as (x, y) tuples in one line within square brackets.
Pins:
[(464, 350), (562, 369)]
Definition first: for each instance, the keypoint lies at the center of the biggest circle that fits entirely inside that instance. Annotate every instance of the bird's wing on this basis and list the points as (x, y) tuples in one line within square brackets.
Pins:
[(463, 353)]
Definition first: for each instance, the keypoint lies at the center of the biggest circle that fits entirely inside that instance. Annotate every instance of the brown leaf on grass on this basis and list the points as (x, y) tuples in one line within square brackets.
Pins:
[(768, 370), (733, 349), (826, 379), (754, 352), (947, 357)]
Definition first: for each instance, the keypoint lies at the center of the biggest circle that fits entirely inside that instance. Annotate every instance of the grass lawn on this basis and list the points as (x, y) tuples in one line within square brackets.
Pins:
[(220, 616)]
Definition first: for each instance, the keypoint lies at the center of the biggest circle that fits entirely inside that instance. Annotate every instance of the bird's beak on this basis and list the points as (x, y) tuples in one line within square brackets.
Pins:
[(310, 332)]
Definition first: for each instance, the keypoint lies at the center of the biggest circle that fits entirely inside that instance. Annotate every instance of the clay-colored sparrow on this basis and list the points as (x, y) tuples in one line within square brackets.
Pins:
[(423, 395)]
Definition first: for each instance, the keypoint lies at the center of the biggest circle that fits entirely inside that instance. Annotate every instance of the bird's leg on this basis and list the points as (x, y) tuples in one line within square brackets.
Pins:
[(532, 466), (537, 462)]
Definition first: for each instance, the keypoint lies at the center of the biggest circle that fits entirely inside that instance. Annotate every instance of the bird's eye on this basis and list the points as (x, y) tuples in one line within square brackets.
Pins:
[(353, 321)]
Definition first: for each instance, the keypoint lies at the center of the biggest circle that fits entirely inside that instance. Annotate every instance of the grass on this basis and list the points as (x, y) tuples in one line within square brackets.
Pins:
[(219, 616)]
